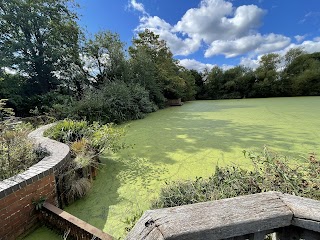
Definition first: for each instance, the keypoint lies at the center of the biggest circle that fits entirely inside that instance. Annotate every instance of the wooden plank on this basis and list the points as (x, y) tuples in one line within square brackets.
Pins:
[(307, 224), (146, 228), (77, 222), (304, 208), (216, 220)]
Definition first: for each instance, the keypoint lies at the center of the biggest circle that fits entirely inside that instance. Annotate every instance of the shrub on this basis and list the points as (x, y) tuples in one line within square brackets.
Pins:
[(87, 142), (87, 137), (115, 102), (17, 153), (5, 111), (271, 172), (68, 131)]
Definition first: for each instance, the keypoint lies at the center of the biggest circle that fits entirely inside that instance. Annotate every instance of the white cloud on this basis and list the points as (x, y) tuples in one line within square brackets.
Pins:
[(316, 39), (199, 66), (307, 46), (300, 38), (177, 45), (195, 65), (137, 6), (249, 62), (217, 20), (256, 44), (223, 28), (311, 46), (226, 67)]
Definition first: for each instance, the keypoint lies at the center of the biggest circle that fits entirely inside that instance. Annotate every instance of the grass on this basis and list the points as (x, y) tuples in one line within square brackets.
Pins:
[(189, 141)]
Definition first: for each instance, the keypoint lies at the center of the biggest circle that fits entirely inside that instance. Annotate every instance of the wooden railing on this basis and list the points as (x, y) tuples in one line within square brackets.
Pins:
[(284, 216)]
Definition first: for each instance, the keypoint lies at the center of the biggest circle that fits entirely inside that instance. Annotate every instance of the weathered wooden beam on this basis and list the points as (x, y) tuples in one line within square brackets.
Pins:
[(306, 212), (220, 219)]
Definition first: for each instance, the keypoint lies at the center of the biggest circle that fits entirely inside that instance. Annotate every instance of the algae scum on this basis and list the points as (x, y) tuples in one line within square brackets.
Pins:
[(187, 142)]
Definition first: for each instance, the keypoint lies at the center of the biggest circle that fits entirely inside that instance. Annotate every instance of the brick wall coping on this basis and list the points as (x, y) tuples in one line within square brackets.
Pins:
[(59, 153)]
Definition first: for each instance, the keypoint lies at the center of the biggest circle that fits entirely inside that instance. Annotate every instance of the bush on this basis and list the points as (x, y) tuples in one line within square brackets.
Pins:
[(17, 153), (87, 142), (85, 137), (68, 131), (271, 172), (115, 102)]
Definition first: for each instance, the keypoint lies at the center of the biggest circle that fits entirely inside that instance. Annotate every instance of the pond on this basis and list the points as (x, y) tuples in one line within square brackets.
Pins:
[(189, 141)]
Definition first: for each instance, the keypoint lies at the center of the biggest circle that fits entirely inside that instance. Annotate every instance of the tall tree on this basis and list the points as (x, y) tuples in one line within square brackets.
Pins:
[(199, 84), (214, 83), (304, 72), (292, 54), (104, 58), (267, 75), (37, 38), (167, 79), (145, 72)]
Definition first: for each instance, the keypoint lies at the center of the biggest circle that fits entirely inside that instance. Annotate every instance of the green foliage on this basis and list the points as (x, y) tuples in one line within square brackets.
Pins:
[(270, 172), (12, 87), (87, 142), (104, 58), (294, 74), (145, 72), (39, 44), (106, 137), (114, 102), (68, 131), (4, 110), (83, 136), (38, 203), (17, 153), (160, 74), (38, 38)]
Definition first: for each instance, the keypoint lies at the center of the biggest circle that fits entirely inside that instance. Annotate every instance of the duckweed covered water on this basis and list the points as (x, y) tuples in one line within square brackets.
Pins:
[(189, 141)]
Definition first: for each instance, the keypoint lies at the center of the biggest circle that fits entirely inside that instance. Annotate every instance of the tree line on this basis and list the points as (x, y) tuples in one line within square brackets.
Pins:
[(294, 74), (47, 65)]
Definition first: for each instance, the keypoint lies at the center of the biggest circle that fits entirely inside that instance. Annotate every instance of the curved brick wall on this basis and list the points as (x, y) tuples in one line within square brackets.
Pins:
[(17, 213)]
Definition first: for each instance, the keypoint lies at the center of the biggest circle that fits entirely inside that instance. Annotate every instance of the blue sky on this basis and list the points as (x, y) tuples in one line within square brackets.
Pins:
[(204, 33)]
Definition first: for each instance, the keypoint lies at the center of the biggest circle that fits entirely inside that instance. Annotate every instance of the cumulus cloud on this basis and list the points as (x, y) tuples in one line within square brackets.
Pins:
[(217, 25), (199, 66), (307, 46), (212, 21), (250, 62), (137, 6), (300, 38), (255, 43), (177, 45), (195, 65), (221, 29)]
